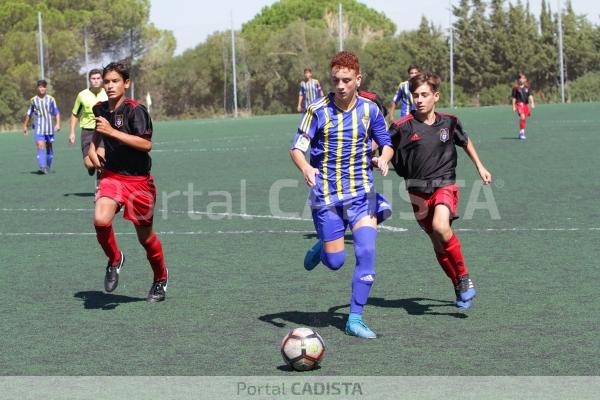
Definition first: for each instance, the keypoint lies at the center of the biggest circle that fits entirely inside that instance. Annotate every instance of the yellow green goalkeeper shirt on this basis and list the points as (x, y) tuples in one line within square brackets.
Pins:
[(86, 100)]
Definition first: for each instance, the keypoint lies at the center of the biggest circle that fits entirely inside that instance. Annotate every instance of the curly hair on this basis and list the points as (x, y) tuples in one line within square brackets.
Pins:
[(345, 59)]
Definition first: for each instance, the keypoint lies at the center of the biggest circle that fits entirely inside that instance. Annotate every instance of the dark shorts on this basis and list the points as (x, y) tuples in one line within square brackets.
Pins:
[(424, 205), (137, 194), (331, 221), (523, 109), (87, 135)]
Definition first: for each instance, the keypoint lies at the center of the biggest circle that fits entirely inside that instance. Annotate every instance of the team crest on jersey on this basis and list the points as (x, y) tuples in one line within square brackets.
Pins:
[(366, 121), (444, 135), (119, 120)]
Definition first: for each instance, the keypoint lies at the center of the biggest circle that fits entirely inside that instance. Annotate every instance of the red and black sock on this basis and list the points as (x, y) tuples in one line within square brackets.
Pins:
[(155, 255), (108, 242), (454, 252)]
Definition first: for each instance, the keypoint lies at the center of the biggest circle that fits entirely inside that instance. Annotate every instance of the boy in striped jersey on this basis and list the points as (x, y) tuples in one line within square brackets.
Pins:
[(310, 90), (43, 107), (403, 97), (339, 129)]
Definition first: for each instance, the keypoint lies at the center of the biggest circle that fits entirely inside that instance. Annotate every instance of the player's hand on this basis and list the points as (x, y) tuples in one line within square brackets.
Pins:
[(56, 127), (485, 175), (25, 131), (310, 176), (299, 109), (71, 138), (103, 126), (383, 165), (514, 109)]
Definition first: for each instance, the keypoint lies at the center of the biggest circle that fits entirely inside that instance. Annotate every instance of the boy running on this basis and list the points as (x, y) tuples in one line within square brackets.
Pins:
[(42, 108), (425, 156), (125, 181), (403, 98), (339, 129), (521, 97)]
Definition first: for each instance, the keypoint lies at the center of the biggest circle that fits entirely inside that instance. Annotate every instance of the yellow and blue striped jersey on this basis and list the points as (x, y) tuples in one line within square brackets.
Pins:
[(404, 99), (310, 91), (340, 147)]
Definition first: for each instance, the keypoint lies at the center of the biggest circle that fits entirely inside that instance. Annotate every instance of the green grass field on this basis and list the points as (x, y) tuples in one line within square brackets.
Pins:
[(237, 284)]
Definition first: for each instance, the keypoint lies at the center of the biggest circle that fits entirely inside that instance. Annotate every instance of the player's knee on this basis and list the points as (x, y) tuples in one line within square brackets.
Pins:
[(333, 261), (102, 220), (364, 250), (441, 230)]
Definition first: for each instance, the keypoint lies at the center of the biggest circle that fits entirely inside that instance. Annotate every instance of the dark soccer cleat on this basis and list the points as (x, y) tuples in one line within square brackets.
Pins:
[(465, 289), (91, 171), (313, 256), (157, 292), (111, 279)]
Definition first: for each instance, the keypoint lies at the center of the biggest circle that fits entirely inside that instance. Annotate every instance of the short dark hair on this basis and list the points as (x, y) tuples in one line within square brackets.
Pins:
[(413, 66), (120, 67), (425, 78), (307, 69), (95, 71), (42, 82)]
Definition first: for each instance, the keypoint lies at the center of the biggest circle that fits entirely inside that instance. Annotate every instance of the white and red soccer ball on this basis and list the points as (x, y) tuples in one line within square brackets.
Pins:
[(303, 349)]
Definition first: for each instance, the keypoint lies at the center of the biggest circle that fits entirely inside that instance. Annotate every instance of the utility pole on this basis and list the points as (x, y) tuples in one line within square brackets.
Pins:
[(87, 59), (561, 59), (41, 35), (341, 26), (451, 58), (235, 103)]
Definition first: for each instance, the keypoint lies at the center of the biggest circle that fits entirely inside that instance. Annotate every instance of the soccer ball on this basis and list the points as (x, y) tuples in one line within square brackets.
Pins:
[(302, 349)]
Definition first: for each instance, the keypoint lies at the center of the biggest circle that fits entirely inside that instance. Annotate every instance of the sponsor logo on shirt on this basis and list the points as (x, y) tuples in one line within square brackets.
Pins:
[(415, 137), (444, 135)]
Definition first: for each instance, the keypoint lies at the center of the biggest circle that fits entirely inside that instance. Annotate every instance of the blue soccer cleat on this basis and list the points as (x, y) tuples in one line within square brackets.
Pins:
[(356, 327), (313, 256), (465, 288), (460, 304)]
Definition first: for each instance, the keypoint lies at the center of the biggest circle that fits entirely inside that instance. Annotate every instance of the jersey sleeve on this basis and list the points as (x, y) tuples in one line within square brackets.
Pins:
[(378, 128), (31, 108), (514, 93), (460, 136), (306, 131), (301, 90), (398, 94), (53, 107), (317, 87), (140, 123), (77, 106)]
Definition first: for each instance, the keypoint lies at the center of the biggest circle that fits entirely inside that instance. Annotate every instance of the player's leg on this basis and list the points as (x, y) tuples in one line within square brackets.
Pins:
[(443, 235), (364, 233), (522, 125), (329, 248), (40, 145), (104, 212), (154, 253), (49, 155), (87, 136)]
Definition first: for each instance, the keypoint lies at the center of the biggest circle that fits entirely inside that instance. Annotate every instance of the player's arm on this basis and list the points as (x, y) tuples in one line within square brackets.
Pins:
[(308, 171), (514, 101), (26, 125), (96, 160), (485, 175), (300, 99), (72, 125), (301, 143), (382, 140), (57, 126), (532, 101), (140, 143)]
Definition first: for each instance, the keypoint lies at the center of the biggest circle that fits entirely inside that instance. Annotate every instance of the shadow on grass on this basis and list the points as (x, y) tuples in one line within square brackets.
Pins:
[(319, 319), (96, 300), (418, 306), (80, 194)]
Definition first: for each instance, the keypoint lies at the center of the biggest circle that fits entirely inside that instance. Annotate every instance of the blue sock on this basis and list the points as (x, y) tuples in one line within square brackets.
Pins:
[(364, 273), (49, 156), (41, 158), (354, 317), (333, 261)]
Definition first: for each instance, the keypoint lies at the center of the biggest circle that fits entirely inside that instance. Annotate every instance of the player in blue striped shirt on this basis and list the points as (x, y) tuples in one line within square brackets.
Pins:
[(339, 129), (403, 97), (310, 90), (42, 109)]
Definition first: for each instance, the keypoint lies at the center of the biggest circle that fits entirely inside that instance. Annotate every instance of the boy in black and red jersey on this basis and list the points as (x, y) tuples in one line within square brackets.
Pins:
[(125, 180), (522, 97), (425, 156)]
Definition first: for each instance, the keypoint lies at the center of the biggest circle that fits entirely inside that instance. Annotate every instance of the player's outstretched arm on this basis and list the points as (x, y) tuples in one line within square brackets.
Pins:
[(485, 175), (308, 171), (72, 125), (104, 128)]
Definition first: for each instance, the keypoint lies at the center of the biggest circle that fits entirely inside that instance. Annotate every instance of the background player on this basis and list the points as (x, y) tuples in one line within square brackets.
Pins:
[(82, 112), (125, 181), (310, 90), (521, 96), (339, 128), (425, 156), (403, 98), (43, 107)]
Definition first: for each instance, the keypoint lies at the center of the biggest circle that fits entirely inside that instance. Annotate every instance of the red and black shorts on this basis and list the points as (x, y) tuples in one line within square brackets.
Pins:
[(137, 194), (523, 109), (424, 205)]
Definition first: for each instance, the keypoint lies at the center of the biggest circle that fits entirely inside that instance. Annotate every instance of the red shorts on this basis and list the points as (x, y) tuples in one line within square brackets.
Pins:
[(424, 205), (136, 193), (523, 109)]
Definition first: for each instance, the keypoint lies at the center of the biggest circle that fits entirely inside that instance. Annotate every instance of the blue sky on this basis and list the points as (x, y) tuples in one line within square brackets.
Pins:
[(193, 21)]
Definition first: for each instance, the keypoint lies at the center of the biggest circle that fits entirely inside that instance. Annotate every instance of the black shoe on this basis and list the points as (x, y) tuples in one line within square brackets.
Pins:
[(157, 292), (111, 279), (91, 171)]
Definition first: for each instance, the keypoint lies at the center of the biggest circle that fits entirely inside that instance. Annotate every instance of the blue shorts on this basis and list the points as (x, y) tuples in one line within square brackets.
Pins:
[(44, 138), (331, 221)]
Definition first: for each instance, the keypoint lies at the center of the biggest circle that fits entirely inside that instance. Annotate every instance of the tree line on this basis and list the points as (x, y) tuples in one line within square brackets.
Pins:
[(493, 41)]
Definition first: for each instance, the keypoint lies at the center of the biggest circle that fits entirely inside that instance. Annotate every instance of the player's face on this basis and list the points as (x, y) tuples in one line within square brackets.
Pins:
[(307, 75), (114, 85), (96, 81), (425, 99), (346, 82), (41, 90), (413, 72), (522, 81)]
